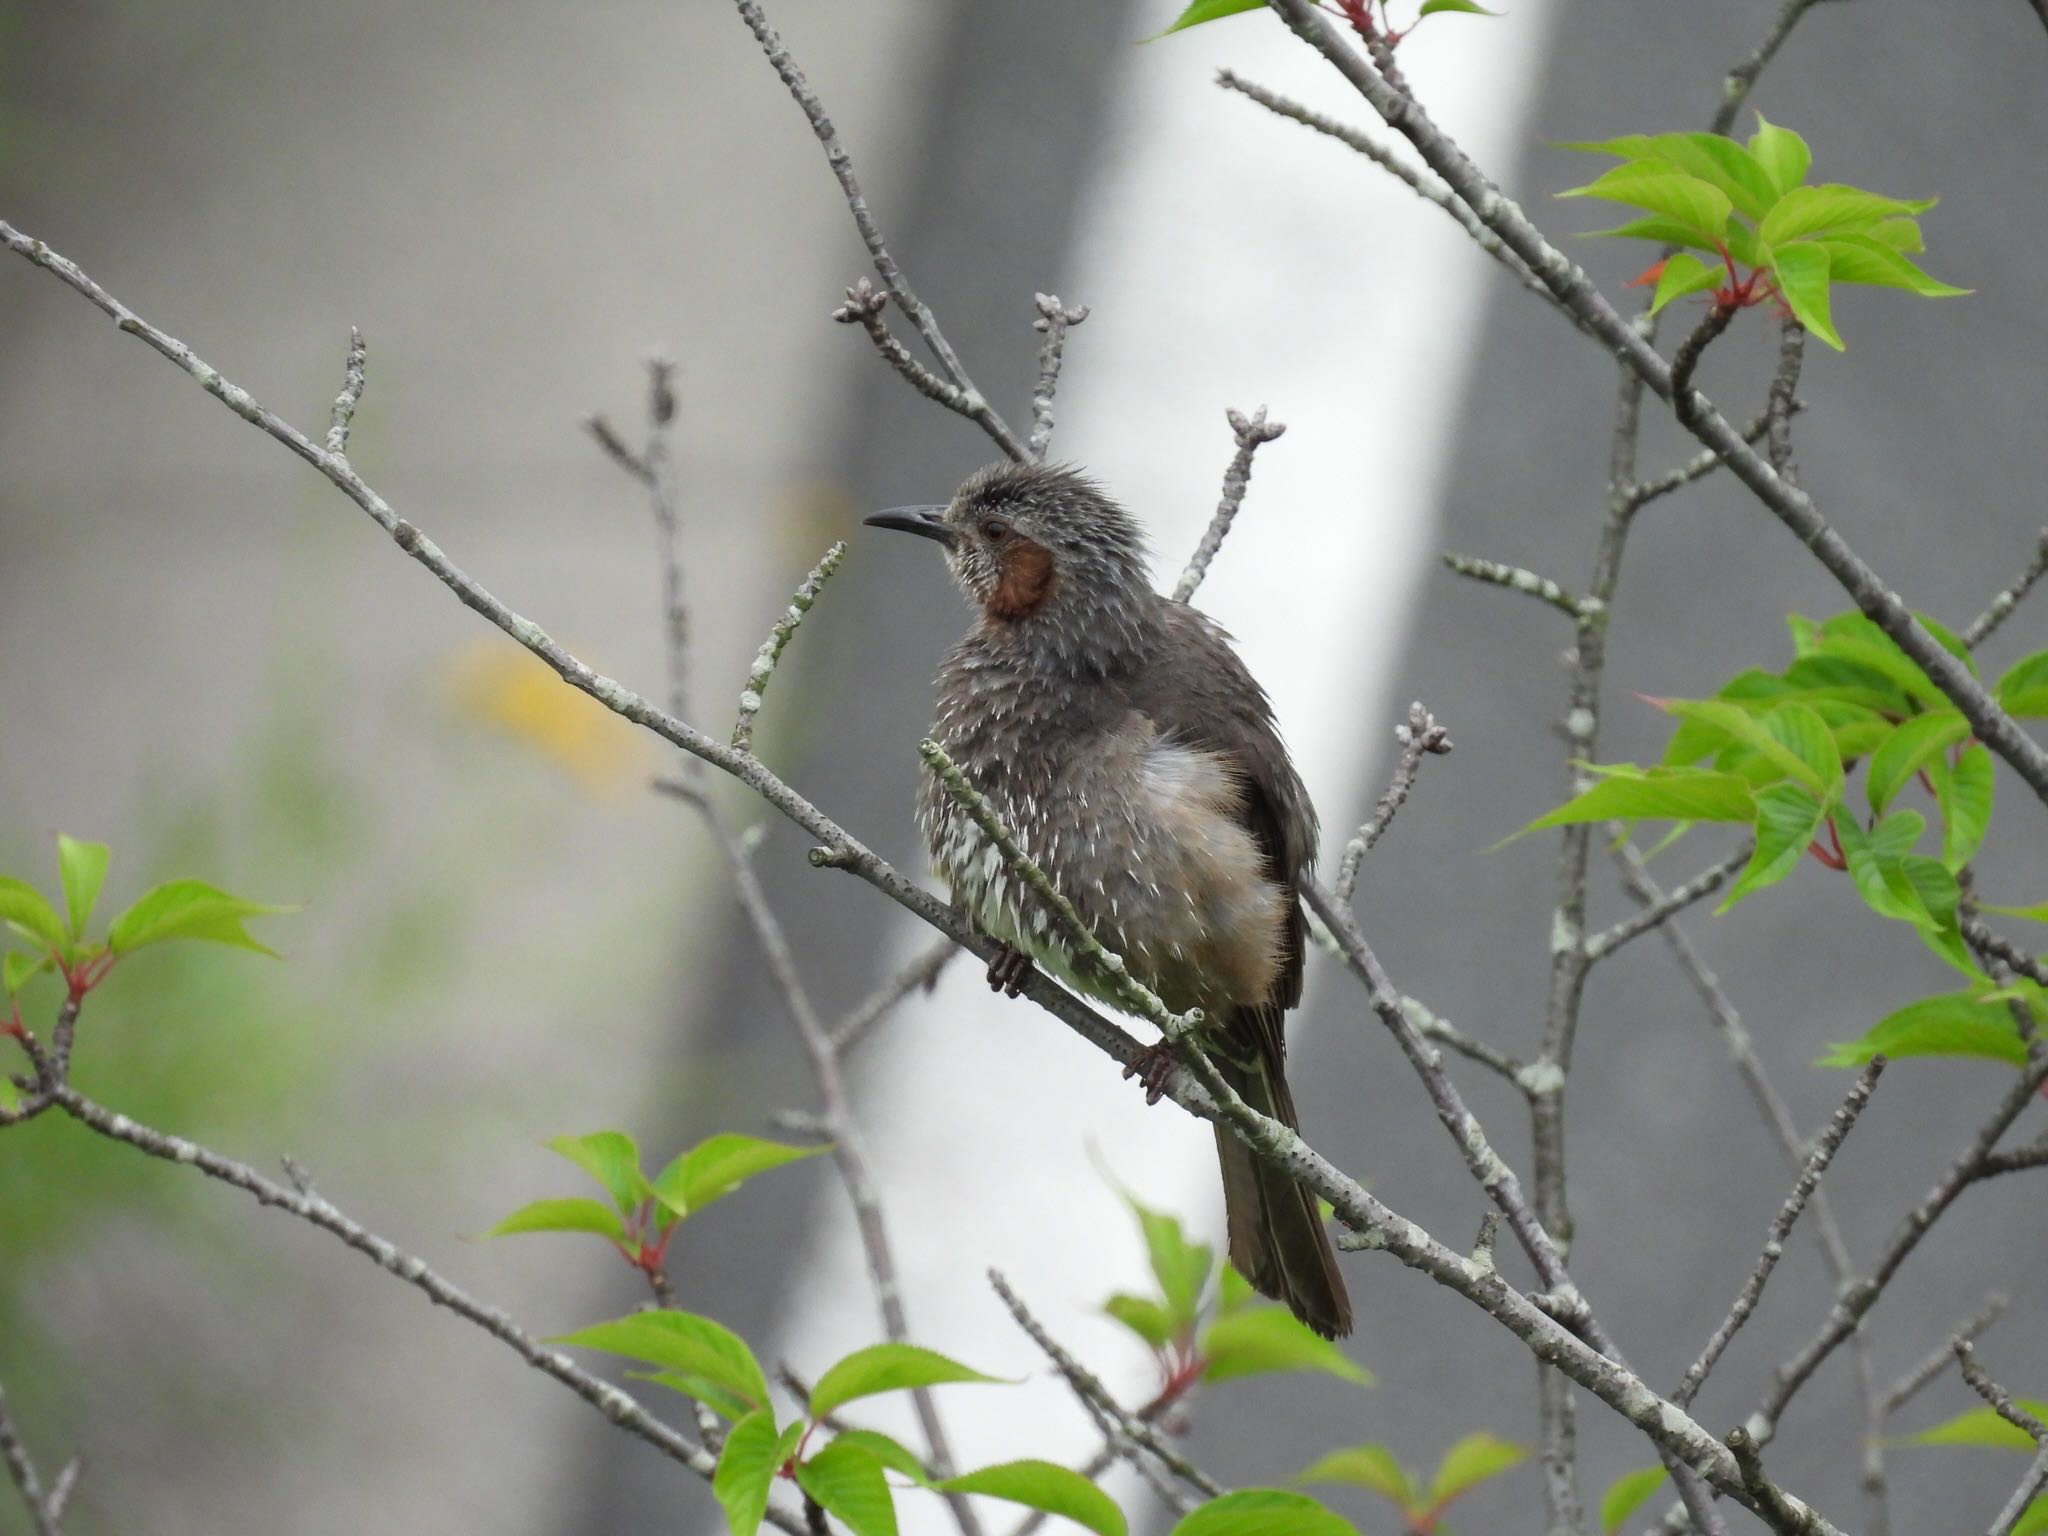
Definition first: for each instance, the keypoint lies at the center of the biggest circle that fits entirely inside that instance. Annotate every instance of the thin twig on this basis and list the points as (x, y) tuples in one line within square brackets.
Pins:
[(770, 654), (1784, 391), (1667, 906), (44, 1510), (1697, 467), (1982, 936), (1121, 1423), (1982, 627), (863, 307), (871, 234), (921, 973), (1860, 1295), (1444, 1032), (1824, 1149), (2002, 1404), (1250, 432), (1421, 183), (1515, 579), (1778, 1512), (344, 410), (1054, 321), (1741, 80), (1419, 736), (1938, 1360)]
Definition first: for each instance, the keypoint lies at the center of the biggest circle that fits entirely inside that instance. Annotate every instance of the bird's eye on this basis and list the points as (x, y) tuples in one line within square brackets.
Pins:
[(994, 529)]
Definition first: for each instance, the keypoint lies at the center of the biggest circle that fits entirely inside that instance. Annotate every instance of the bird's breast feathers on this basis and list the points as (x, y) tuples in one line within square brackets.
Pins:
[(1144, 834)]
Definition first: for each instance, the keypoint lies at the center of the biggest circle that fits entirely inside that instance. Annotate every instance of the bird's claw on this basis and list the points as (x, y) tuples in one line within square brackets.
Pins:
[(1153, 1068), (1008, 972)]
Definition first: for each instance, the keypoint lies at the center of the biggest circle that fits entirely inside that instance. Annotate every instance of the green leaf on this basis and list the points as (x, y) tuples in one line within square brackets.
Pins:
[(1831, 209), (1684, 273), (848, 1482), (1791, 738), (1043, 1485), (1857, 636), (1663, 231), (1820, 677), (610, 1158), (83, 868), (1787, 817), (2024, 688), (1143, 1316), (10, 1096), (1263, 1512), (1471, 1462), (720, 1400), (1233, 1291), (1181, 1267), (753, 1454), (886, 1368), (1627, 1494), (2033, 1519), (1665, 794), (1780, 153), (1721, 162), (2038, 913), (18, 967), (1960, 1024), (1208, 10), (1982, 1426), (1964, 793), (1899, 234), (1802, 274), (188, 909), (893, 1454), (23, 907), (1907, 750), (1467, 7), (714, 1168), (1868, 260), (1262, 1340), (1894, 882), (562, 1216), (1656, 186), (681, 1341), (1368, 1466)]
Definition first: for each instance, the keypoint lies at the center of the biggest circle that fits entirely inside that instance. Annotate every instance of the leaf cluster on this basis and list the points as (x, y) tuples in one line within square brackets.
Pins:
[(1775, 752), (1733, 208)]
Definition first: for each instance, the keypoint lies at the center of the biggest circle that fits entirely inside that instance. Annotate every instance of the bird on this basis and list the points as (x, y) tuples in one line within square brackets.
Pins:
[(1132, 755)]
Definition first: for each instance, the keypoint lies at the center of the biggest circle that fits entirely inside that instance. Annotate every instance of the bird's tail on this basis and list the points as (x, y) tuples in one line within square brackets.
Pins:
[(1277, 1239)]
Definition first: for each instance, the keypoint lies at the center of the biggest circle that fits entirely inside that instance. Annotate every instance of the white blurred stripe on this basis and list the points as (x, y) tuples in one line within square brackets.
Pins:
[(1231, 259)]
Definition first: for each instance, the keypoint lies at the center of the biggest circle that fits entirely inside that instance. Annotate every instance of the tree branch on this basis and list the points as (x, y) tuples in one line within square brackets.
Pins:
[(1250, 432), (1817, 1161), (972, 402), (1054, 321), (45, 1510), (1419, 736)]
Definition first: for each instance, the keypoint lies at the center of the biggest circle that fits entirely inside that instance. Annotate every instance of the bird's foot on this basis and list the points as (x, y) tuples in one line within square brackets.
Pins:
[(1153, 1067), (1008, 972)]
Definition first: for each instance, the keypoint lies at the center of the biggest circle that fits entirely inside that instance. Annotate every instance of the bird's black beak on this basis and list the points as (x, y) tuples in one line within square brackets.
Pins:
[(925, 521)]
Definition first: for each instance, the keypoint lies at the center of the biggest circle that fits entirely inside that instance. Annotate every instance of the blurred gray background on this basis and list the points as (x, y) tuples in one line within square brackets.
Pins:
[(215, 663)]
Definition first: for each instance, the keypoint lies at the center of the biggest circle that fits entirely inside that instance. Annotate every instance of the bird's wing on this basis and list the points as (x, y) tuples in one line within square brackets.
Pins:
[(1202, 695)]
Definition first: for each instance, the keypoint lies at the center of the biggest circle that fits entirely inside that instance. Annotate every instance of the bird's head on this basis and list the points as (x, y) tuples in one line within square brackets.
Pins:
[(1040, 547)]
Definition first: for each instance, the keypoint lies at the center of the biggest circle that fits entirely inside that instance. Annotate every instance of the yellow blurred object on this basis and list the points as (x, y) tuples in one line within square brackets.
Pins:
[(499, 685)]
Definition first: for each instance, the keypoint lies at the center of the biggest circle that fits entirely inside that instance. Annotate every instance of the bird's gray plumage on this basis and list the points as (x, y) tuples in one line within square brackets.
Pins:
[(1136, 759)]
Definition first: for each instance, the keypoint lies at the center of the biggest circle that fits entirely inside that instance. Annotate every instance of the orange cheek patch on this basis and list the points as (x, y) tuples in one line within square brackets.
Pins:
[(1026, 581)]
